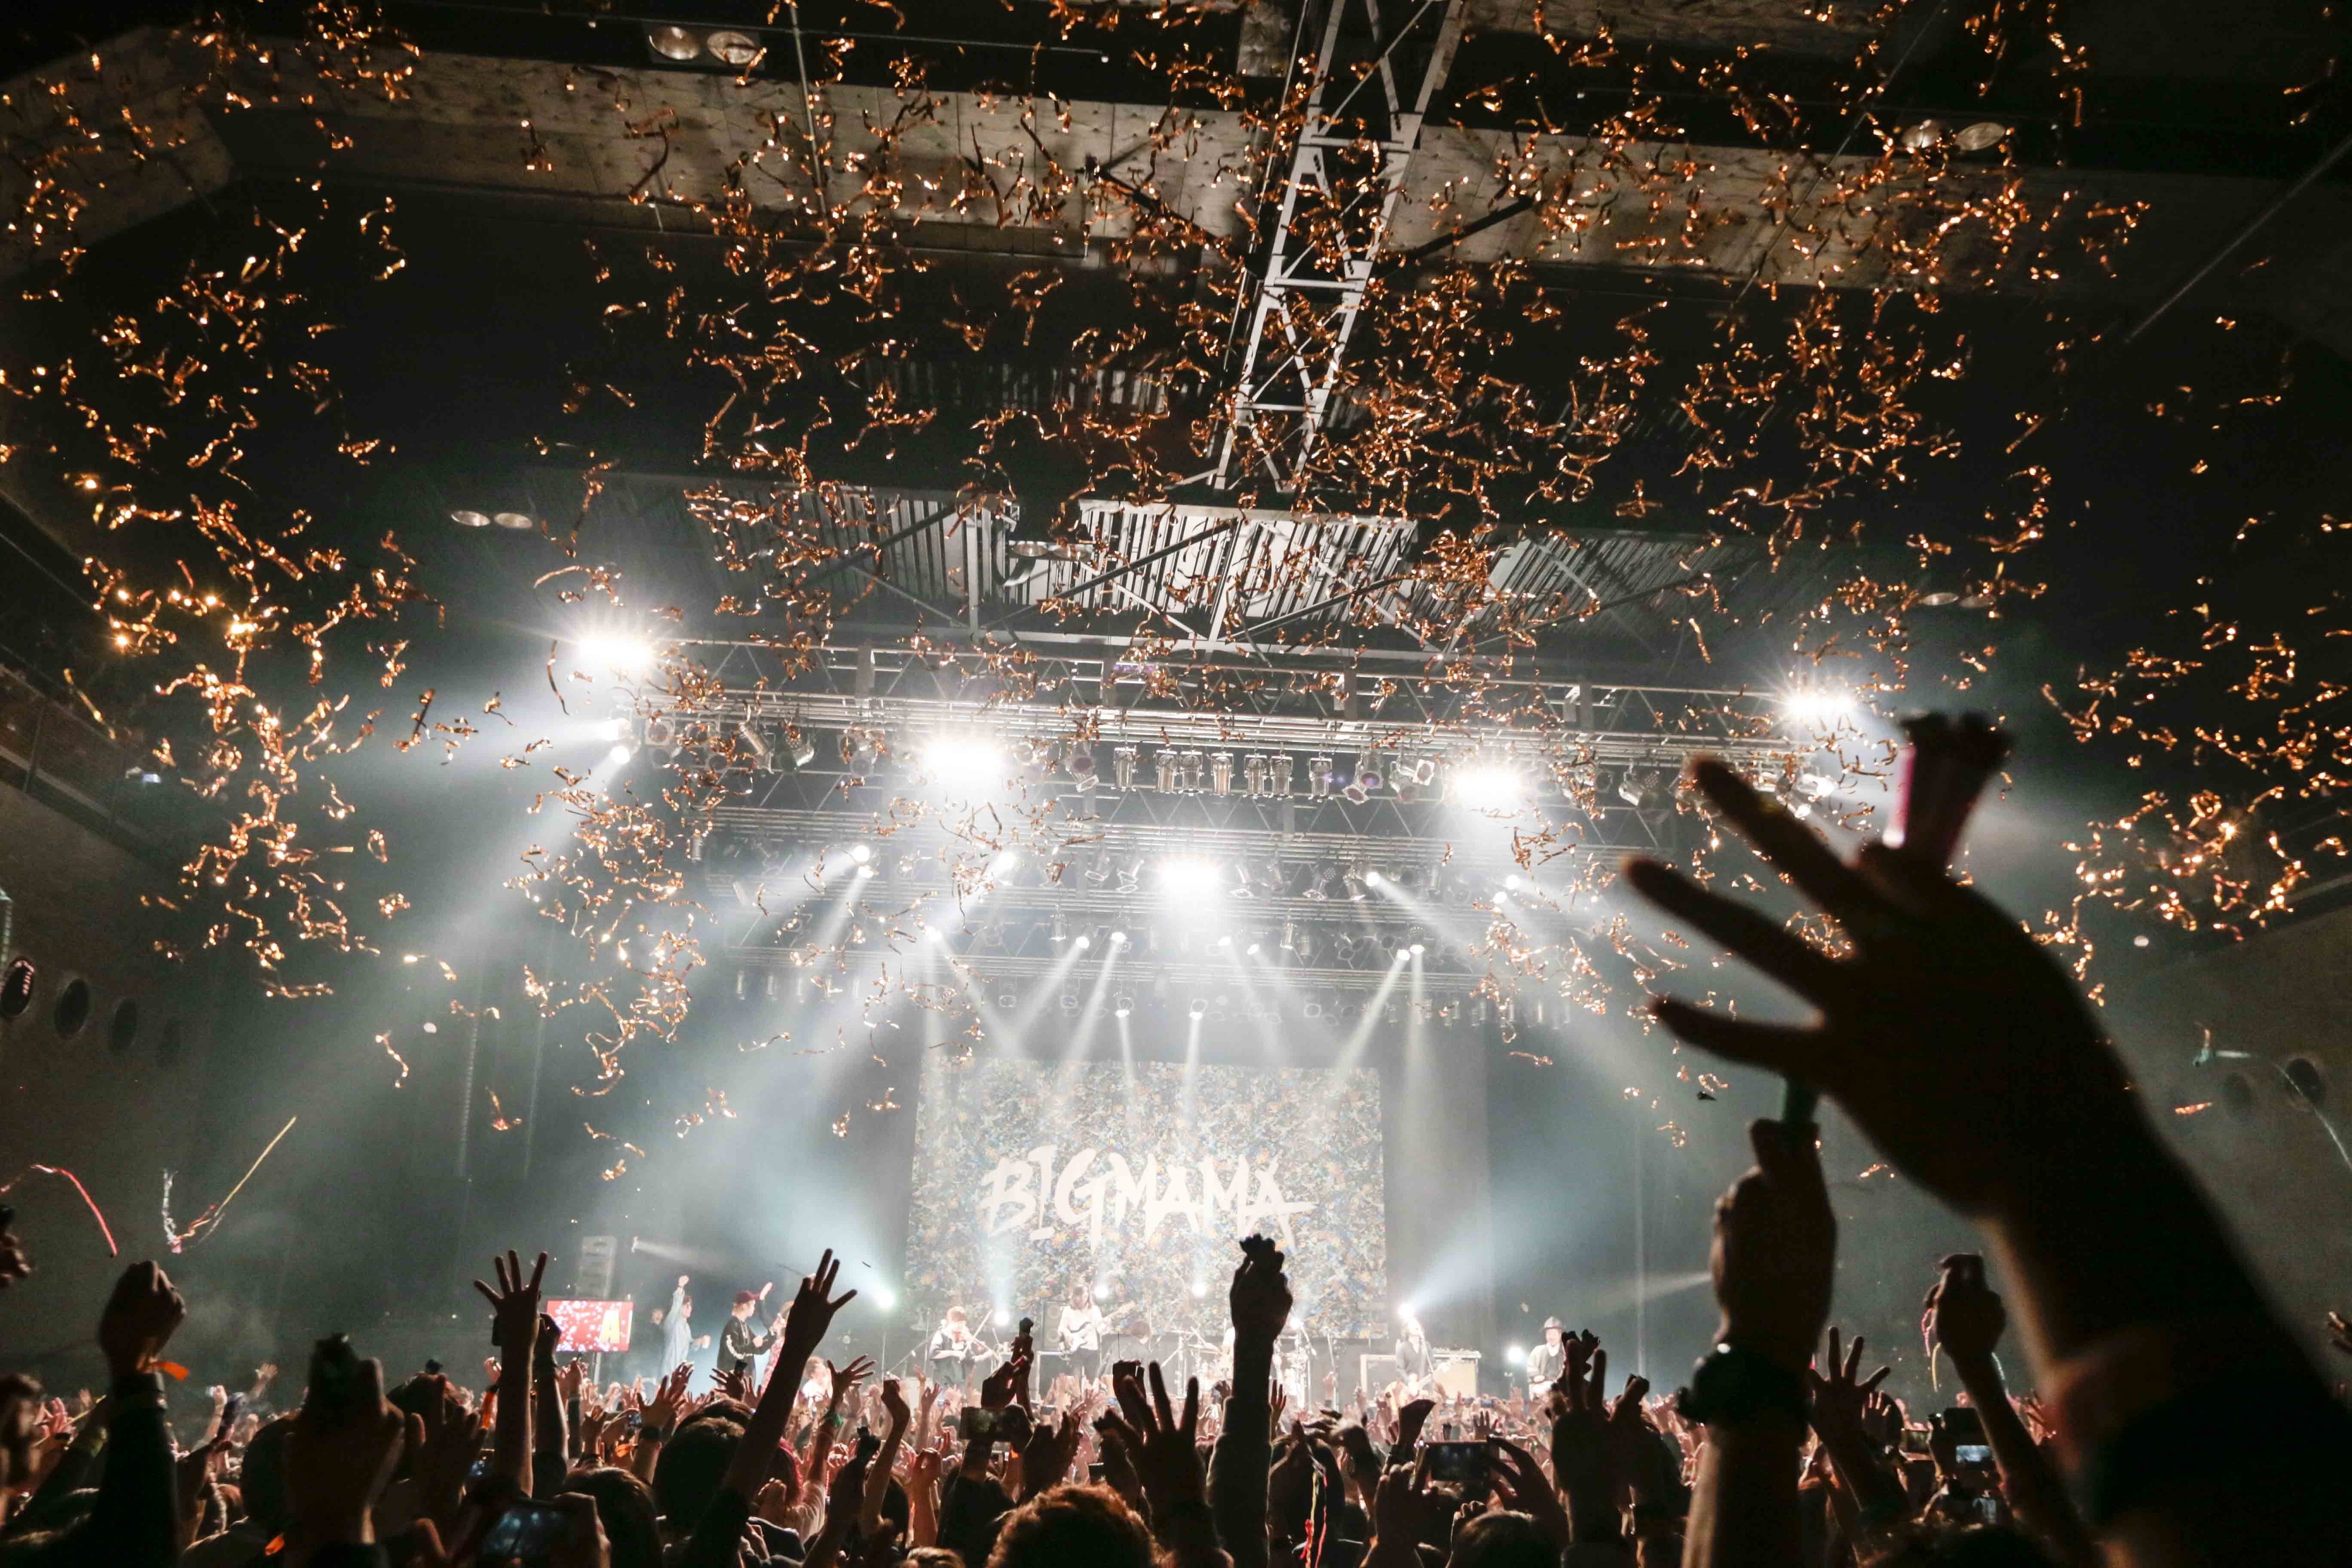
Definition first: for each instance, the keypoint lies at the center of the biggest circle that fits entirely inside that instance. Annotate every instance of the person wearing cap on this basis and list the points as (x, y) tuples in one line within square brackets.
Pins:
[(1548, 1360), (738, 1340)]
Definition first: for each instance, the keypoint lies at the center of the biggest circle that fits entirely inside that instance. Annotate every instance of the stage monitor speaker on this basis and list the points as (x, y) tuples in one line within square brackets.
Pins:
[(1377, 1373)]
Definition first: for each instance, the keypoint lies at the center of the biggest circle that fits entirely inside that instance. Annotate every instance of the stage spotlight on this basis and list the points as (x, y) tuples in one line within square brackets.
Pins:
[(1122, 1005), (615, 652), (798, 748), (612, 729), (1515, 1354), (1061, 930), (1419, 941), (1374, 879), (1186, 873), (1241, 887), (1822, 706), (1119, 938), (1221, 772), (1122, 766), (1004, 1316), (1290, 936), (1102, 1292), (961, 760), (1253, 774), (466, 516), (1511, 883), (2140, 941), (1277, 773), (1319, 777), (1226, 940), (673, 42), (1085, 941), (1354, 881), (1486, 786), (1344, 950), (1253, 948), (1200, 1009), (1641, 788), (617, 756), (886, 1298), (861, 853), (866, 871), (1200, 1288), (1164, 771), (1100, 872), (1131, 875)]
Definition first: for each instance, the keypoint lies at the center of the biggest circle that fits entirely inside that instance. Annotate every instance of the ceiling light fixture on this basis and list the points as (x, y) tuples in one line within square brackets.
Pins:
[(673, 42), (736, 48)]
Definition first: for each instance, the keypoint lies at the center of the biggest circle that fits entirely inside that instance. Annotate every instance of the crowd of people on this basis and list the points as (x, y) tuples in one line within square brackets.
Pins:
[(2177, 1420)]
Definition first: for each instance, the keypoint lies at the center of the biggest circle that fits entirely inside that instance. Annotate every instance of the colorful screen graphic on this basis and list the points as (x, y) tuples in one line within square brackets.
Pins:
[(1033, 1180), (590, 1326)]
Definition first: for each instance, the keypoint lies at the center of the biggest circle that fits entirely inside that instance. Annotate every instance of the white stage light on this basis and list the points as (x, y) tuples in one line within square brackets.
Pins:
[(1119, 938), (1374, 879), (1486, 786), (1823, 706), (1004, 863), (959, 760), (1515, 1354), (1200, 1009), (1102, 1292), (1200, 1288), (619, 755), (861, 853), (612, 729), (1188, 874), (1085, 941), (1511, 882), (866, 871), (616, 653), (886, 1298), (1004, 1316)]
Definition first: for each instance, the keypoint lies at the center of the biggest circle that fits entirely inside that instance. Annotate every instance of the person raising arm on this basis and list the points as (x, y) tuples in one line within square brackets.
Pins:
[(1970, 1059), (1774, 1247)]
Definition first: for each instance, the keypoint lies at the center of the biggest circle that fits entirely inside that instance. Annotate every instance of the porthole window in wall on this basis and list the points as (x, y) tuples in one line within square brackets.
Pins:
[(17, 985), (73, 1009), (123, 1029)]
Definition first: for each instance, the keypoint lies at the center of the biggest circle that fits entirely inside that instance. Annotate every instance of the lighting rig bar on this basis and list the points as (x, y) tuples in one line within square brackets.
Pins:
[(1452, 710), (1164, 981), (1251, 830)]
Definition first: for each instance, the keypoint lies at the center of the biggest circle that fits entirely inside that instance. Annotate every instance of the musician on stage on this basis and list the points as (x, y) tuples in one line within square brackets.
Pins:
[(954, 1347), (1081, 1332), (1546, 1360), (739, 1338), (1413, 1355)]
